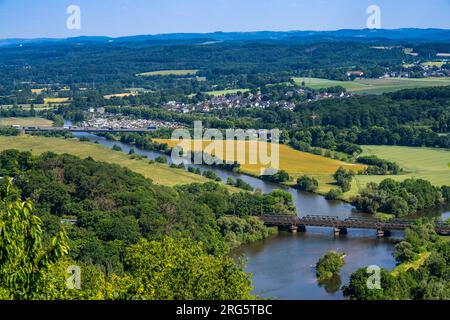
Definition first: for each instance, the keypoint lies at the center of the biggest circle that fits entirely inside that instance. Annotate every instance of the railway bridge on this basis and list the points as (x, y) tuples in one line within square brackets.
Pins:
[(341, 226)]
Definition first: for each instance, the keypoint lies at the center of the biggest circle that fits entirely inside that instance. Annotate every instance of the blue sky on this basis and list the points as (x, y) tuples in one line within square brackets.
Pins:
[(47, 18)]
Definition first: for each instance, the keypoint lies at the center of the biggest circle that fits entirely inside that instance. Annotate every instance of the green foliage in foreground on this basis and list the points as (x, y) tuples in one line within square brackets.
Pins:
[(428, 281), (128, 235), (329, 265), (166, 269), (24, 260)]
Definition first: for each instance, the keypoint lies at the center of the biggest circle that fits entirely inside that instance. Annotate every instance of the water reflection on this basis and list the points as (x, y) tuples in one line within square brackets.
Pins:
[(332, 285)]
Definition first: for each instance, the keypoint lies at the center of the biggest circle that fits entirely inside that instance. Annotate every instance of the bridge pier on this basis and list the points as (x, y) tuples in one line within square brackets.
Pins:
[(293, 229), (381, 233), (340, 231)]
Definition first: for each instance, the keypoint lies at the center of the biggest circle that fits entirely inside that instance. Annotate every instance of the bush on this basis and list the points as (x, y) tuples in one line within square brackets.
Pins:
[(333, 194), (308, 184), (279, 177), (161, 159), (329, 265), (116, 148)]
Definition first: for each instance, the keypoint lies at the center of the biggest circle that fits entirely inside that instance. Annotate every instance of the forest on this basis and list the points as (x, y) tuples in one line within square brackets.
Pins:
[(103, 63), (115, 208)]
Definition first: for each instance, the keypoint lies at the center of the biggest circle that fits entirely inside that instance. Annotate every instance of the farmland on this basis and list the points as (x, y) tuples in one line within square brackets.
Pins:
[(55, 100), (438, 64), (168, 73), (159, 173), (120, 95), (25, 122), (296, 163), (374, 86), (316, 83), (419, 163)]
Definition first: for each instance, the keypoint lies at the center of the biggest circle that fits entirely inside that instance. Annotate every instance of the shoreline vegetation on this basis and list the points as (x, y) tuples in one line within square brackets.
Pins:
[(421, 272), (334, 192)]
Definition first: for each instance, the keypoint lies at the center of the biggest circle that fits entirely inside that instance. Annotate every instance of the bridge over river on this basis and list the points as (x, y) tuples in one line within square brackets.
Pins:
[(339, 226)]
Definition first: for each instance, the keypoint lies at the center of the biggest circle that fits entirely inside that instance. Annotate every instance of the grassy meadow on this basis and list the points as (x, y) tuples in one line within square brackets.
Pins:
[(419, 163), (219, 93), (25, 122), (438, 64), (296, 163), (159, 173), (375, 86)]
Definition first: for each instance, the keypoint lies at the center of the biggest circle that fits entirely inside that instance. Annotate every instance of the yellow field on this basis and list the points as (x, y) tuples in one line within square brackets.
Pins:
[(38, 91), (159, 173), (25, 122), (55, 100), (296, 163), (120, 95), (168, 73)]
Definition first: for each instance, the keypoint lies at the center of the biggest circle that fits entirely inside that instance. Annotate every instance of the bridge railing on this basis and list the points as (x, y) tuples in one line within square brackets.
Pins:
[(352, 222)]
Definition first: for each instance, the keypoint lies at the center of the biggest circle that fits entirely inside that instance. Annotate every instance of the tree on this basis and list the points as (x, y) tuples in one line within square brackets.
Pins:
[(357, 289), (308, 184), (161, 159), (181, 270), (329, 265), (344, 179), (334, 194), (116, 148), (24, 259)]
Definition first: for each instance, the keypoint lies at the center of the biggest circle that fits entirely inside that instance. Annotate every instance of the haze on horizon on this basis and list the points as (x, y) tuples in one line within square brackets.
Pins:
[(115, 18)]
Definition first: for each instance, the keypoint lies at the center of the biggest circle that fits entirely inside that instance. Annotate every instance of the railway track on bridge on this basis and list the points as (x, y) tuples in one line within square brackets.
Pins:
[(341, 226)]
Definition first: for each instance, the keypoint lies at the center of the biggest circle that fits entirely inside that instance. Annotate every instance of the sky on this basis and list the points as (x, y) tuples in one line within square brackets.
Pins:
[(48, 18)]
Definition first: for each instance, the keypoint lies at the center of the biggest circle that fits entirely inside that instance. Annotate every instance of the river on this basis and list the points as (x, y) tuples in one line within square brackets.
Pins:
[(283, 265)]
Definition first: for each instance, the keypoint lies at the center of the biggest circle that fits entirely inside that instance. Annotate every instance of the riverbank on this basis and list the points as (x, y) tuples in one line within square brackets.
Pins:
[(295, 163), (159, 173)]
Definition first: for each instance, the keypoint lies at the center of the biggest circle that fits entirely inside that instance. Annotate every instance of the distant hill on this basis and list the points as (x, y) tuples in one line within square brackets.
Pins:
[(363, 35)]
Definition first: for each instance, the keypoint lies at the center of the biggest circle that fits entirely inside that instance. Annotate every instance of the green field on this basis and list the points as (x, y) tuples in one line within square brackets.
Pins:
[(224, 92), (168, 73), (159, 173), (419, 163), (375, 86), (316, 83), (25, 122)]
